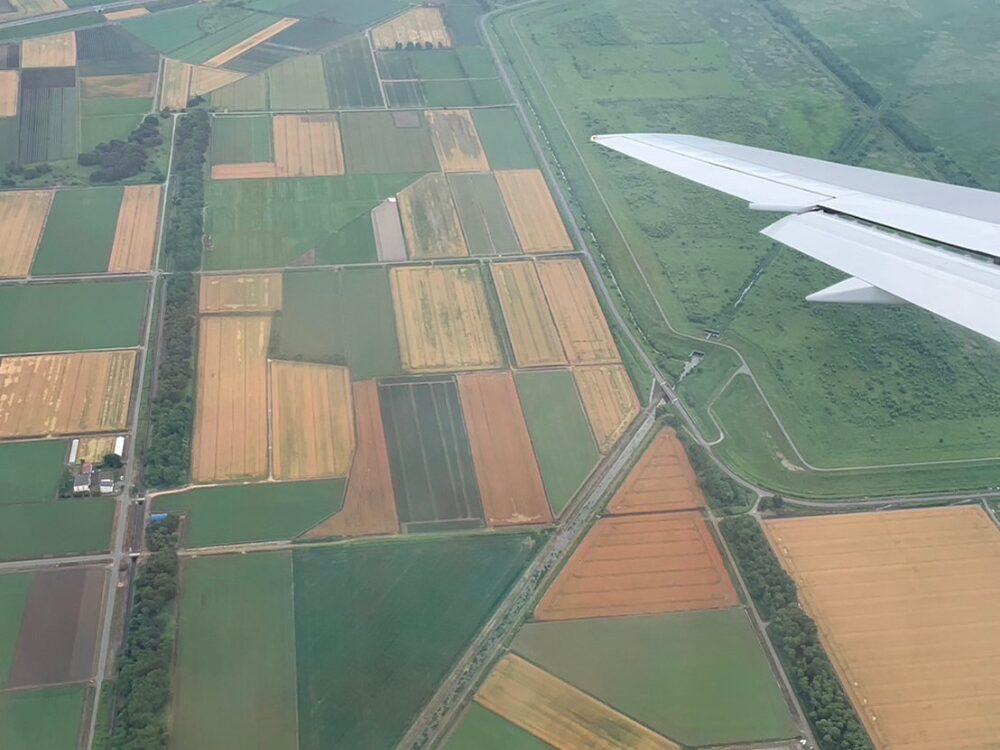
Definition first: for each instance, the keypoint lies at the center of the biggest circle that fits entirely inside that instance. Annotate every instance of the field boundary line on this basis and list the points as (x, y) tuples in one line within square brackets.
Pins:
[(378, 75)]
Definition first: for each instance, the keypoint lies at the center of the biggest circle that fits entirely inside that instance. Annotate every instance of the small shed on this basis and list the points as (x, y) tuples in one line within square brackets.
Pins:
[(81, 484)]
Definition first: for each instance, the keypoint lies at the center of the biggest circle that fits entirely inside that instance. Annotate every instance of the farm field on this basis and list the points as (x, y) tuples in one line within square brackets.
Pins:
[(416, 27), (350, 75), (430, 219), (22, 219), (904, 602), (242, 95), (699, 678), (135, 232), (387, 143), (48, 123), (609, 401), (13, 595), (456, 141), (307, 146), (55, 51), (579, 319), (440, 64), (240, 293), (55, 528), (532, 330), (663, 480), (35, 719), (243, 139), (483, 215), (297, 83), (504, 139), (480, 729), (79, 232), (30, 471), (536, 219)]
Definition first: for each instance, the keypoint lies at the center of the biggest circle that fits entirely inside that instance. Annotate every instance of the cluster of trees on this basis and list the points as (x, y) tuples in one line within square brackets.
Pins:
[(119, 160), (14, 172), (418, 45), (140, 716), (720, 490), (796, 639)]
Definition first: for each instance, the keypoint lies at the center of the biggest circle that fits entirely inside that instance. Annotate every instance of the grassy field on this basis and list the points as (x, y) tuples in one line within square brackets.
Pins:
[(431, 65), (241, 139), (234, 677), (464, 93), (700, 678), (379, 625), (79, 232), (48, 26), (339, 317), (196, 33), (404, 94), (92, 315), (374, 144), (297, 83), (350, 75), (48, 124), (13, 595), (485, 222), (559, 431), (480, 729), (30, 471), (41, 719), (271, 223), (250, 94), (251, 513), (102, 120), (503, 139), (65, 527)]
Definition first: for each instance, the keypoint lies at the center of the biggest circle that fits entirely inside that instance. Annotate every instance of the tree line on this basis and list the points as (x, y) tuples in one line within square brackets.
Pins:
[(721, 491), (118, 160)]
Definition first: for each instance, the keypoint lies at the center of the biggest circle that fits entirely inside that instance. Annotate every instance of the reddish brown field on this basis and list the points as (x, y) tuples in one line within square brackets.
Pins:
[(369, 505), (662, 481), (641, 565), (509, 481)]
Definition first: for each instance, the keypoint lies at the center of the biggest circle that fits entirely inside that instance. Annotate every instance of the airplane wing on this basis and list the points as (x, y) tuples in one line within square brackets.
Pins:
[(901, 239)]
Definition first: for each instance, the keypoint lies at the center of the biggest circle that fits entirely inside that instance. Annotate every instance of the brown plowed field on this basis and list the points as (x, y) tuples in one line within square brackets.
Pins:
[(510, 484), (369, 504), (539, 226), (641, 565), (307, 146), (312, 420), (430, 219), (122, 15), (175, 84), (22, 219), (56, 51), (533, 333), (135, 234), (442, 319), (609, 400), (65, 394), (907, 604), (232, 293), (558, 713), (584, 332), (10, 89), (95, 448), (58, 637), (250, 42), (205, 80), (418, 25), (230, 421), (662, 481), (252, 170), (456, 141), (94, 87)]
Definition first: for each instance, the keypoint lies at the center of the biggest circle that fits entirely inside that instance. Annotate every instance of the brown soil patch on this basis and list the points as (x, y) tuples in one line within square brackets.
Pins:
[(233, 293), (609, 400), (122, 15), (389, 242), (558, 713), (641, 565), (135, 234), (536, 219), (55, 51), (10, 90), (907, 605), (662, 481), (369, 504), (22, 219), (312, 420), (584, 332), (456, 141), (532, 330), (205, 80), (65, 394), (442, 319), (418, 26), (58, 637), (93, 87), (509, 481), (175, 84), (307, 146), (230, 422), (250, 42), (251, 170), (430, 219)]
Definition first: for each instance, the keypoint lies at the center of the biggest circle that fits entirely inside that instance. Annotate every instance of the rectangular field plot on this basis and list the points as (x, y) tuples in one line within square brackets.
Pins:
[(297, 83), (230, 423), (246, 95), (367, 664), (50, 718), (237, 293), (48, 125), (443, 319), (387, 142), (906, 603), (307, 146), (30, 471), (537, 221), (56, 51), (417, 26), (479, 729), (579, 318), (135, 233), (532, 330), (438, 64), (430, 220), (483, 215), (10, 90), (240, 140), (641, 565), (52, 528), (464, 93), (663, 480), (79, 232), (61, 394), (609, 400), (175, 84), (22, 218), (118, 86), (456, 141), (350, 75), (245, 45), (389, 241), (432, 468)]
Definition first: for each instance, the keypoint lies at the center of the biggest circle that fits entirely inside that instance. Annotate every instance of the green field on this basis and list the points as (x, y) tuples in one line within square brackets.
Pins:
[(350, 75), (559, 431), (404, 94), (298, 83), (79, 232), (56, 528), (196, 33), (503, 139), (13, 595), (343, 316), (700, 678), (241, 139), (480, 729), (249, 94), (103, 120), (251, 513), (30, 471), (234, 676), (48, 124), (487, 227), (374, 144), (481, 92), (429, 65), (272, 223), (91, 315), (48, 26), (41, 719), (377, 626)]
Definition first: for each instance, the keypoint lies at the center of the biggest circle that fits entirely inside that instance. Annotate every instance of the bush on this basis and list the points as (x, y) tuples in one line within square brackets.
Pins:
[(720, 490)]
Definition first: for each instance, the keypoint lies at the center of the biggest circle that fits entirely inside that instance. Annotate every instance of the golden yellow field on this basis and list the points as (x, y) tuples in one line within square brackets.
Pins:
[(312, 420), (307, 146), (10, 89), (907, 604), (430, 219), (141, 84), (533, 333), (609, 400), (442, 319), (135, 233), (205, 80), (124, 15), (230, 293), (254, 170), (417, 26), (456, 141), (65, 394), (558, 713), (56, 51), (230, 421), (250, 42), (539, 226), (175, 84), (579, 318), (22, 219), (94, 449)]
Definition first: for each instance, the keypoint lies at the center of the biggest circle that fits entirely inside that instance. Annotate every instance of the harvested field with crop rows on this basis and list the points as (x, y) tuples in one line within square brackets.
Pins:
[(135, 233), (579, 319), (237, 293), (430, 219), (417, 26), (609, 400), (22, 218), (537, 221), (456, 141), (307, 146), (663, 480)]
